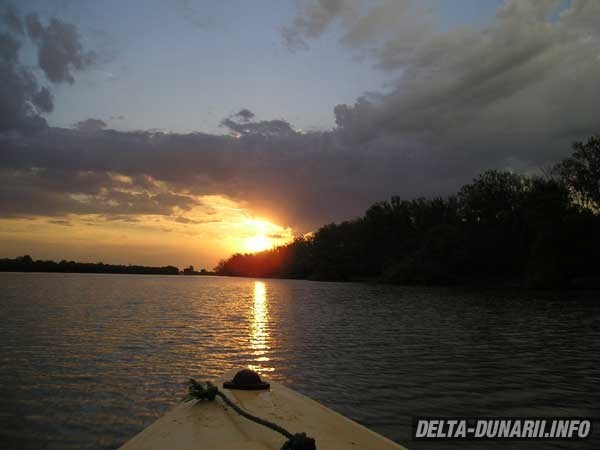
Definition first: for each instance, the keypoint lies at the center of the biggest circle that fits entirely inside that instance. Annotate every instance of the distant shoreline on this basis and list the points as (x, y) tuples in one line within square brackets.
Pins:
[(27, 264), (583, 283), (111, 273)]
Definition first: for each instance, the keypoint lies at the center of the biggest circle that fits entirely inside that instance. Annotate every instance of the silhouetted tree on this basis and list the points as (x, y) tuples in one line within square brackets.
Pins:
[(500, 226), (581, 172)]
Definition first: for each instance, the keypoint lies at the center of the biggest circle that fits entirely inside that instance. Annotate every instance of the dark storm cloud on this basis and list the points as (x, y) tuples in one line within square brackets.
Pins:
[(512, 95), (22, 100), (57, 192), (300, 179), (519, 80), (59, 49)]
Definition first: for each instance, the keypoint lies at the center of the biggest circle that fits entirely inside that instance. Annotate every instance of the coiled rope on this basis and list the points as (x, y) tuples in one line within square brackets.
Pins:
[(208, 391)]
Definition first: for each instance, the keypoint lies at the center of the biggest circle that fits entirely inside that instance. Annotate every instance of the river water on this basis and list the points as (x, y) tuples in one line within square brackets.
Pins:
[(87, 360)]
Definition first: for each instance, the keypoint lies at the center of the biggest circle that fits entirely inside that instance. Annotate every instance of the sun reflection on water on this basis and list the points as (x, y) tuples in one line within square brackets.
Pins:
[(259, 333)]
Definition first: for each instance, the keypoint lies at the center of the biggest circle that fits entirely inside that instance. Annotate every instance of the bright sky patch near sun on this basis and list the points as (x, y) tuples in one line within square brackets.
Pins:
[(265, 235), (194, 238)]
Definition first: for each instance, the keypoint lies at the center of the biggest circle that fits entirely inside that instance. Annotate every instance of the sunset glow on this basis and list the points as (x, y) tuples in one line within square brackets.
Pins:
[(258, 243), (262, 237), (215, 227)]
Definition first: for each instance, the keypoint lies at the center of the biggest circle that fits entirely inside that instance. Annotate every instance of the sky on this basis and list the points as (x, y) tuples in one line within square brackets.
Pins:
[(179, 132)]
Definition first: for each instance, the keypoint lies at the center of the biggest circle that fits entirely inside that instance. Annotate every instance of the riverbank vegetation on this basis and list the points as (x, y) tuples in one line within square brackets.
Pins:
[(540, 231), (27, 264)]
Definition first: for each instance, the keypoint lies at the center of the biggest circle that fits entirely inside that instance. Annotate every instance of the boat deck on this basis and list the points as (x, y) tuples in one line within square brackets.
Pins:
[(213, 425)]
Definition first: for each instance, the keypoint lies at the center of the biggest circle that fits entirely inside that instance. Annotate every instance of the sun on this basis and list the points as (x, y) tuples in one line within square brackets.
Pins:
[(257, 235), (260, 235), (258, 243)]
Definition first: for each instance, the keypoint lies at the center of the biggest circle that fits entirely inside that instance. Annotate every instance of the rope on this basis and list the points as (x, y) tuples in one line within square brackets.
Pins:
[(208, 391)]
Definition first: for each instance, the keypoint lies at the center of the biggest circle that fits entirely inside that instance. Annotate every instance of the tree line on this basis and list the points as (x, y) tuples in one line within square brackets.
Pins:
[(27, 264), (542, 231)]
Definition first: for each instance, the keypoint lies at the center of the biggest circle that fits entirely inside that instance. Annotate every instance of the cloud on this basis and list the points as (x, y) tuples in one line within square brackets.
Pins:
[(35, 195), (61, 222), (514, 92), (188, 221), (61, 171), (404, 21), (521, 80), (23, 102), (244, 115), (243, 126), (11, 19), (313, 19), (90, 125), (360, 22), (59, 49)]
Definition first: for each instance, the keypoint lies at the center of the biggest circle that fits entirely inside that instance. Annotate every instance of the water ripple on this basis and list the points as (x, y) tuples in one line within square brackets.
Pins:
[(89, 360)]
